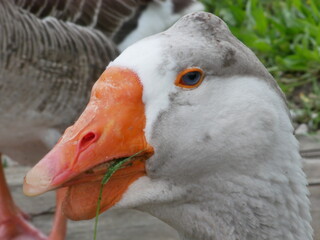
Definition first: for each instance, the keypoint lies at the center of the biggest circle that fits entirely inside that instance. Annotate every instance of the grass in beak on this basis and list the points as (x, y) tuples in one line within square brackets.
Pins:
[(111, 170)]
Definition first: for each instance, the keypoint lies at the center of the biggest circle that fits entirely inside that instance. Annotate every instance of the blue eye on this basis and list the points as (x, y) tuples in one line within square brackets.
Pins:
[(191, 78)]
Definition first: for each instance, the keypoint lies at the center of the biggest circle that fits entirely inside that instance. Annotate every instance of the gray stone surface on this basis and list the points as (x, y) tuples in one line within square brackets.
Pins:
[(134, 225)]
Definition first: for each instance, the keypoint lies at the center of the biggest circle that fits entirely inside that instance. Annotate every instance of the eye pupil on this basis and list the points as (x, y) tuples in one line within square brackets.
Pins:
[(191, 78)]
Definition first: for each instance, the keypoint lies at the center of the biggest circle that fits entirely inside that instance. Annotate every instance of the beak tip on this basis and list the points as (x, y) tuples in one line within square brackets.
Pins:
[(30, 190), (35, 183)]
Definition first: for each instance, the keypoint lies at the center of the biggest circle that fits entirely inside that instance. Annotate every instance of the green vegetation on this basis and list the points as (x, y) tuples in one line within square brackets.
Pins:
[(285, 35), (4, 162), (115, 166)]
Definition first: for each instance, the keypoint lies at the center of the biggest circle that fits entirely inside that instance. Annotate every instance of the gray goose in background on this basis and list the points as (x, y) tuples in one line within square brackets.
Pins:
[(51, 53)]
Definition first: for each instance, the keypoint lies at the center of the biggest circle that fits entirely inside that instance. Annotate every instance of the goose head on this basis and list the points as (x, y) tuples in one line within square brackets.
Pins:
[(219, 159)]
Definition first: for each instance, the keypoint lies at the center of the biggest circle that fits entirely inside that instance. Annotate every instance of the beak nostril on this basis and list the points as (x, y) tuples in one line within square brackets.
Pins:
[(87, 140)]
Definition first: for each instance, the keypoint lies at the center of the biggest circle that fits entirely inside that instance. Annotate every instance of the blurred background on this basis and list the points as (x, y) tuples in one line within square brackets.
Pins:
[(285, 35)]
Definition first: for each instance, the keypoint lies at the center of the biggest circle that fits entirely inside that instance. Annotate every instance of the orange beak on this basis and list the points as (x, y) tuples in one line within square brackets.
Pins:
[(111, 127)]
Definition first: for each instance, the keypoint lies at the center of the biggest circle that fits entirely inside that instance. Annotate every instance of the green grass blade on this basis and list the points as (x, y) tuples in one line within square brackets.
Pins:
[(111, 170)]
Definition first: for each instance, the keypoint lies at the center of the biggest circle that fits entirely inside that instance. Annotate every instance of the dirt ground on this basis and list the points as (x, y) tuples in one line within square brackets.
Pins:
[(134, 225)]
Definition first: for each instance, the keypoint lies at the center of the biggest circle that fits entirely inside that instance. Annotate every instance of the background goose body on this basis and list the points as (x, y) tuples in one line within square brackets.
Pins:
[(221, 161)]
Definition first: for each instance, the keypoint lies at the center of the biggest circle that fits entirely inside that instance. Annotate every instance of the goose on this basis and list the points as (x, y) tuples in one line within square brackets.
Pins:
[(51, 54), (217, 155)]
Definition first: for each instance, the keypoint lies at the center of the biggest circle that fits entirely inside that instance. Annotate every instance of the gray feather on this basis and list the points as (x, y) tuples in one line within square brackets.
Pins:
[(46, 70)]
